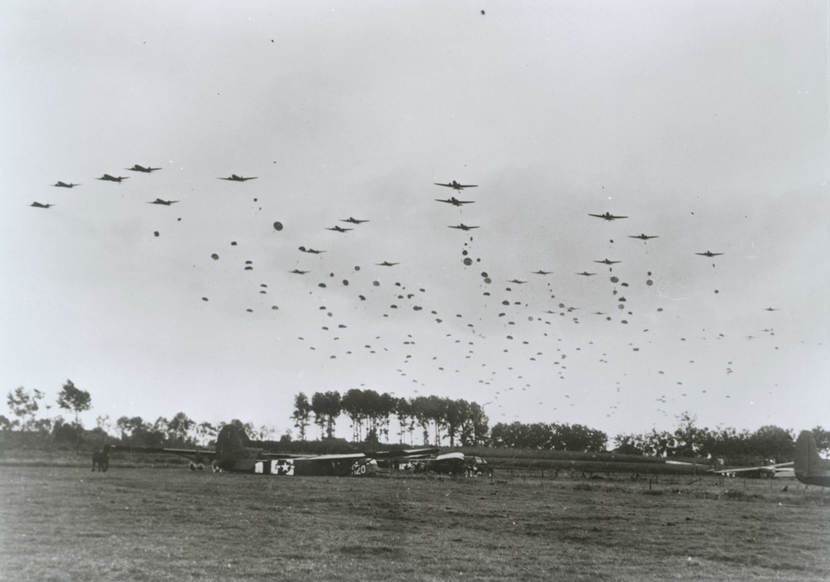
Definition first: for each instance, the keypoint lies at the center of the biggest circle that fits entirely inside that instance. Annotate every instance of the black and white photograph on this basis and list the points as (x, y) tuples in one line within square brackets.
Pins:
[(419, 290)]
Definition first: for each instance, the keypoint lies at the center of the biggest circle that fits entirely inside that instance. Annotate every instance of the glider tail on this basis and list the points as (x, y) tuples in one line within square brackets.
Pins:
[(807, 461), (231, 441)]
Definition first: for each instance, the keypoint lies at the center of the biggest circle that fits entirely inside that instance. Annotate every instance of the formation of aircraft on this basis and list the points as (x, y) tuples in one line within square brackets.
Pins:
[(470, 256), (455, 201), (145, 169), (607, 216), (61, 184), (455, 185), (110, 178)]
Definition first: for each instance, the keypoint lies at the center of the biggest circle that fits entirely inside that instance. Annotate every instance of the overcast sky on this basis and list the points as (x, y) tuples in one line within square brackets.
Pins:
[(705, 123)]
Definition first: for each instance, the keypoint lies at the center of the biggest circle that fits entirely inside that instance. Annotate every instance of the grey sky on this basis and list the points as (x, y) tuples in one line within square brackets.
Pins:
[(705, 122)]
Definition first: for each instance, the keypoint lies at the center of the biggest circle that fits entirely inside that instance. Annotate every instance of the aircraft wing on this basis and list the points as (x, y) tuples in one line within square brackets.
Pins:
[(191, 454), (770, 468), (336, 457), (405, 453)]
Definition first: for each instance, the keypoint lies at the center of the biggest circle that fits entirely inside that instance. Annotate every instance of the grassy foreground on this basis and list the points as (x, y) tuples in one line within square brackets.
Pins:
[(65, 523)]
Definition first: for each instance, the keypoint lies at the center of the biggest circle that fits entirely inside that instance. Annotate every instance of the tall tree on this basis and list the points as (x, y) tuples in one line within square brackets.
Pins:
[(773, 442), (74, 399), (25, 405), (178, 428), (403, 410), (420, 410), (386, 408), (437, 411), (318, 407), (330, 410), (352, 404), (128, 426), (205, 432), (455, 413), (300, 416), (480, 424)]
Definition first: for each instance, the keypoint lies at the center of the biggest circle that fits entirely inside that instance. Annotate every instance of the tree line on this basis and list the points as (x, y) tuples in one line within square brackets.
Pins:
[(370, 414), (553, 436), (689, 440), (432, 420)]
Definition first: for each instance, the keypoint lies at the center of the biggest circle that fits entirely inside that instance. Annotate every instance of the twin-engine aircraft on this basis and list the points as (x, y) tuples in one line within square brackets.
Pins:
[(455, 201), (145, 169), (607, 216), (111, 178), (235, 452), (808, 467), (455, 185)]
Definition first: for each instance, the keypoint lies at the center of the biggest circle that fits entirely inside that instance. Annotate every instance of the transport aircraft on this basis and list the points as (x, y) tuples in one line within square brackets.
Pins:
[(455, 185), (607, 216), (455, 201), (808, 467), (110, 178), (235, 178), (235, 452)]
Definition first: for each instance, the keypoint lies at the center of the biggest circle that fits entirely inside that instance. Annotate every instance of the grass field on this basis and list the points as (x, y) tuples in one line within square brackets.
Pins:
[(65, 523)]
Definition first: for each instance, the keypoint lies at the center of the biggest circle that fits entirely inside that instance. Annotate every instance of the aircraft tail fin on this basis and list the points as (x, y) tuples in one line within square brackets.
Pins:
[(230, 440), (807, 461)]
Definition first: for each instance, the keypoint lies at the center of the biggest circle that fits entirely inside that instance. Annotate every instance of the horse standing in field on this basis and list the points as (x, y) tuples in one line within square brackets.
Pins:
[(101, 459)]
